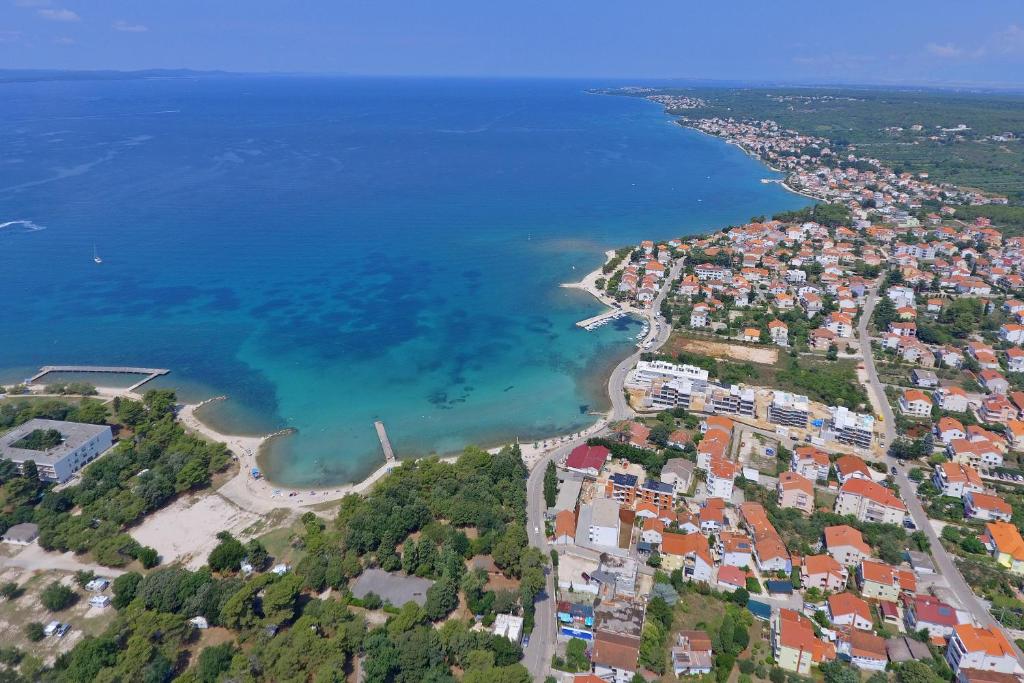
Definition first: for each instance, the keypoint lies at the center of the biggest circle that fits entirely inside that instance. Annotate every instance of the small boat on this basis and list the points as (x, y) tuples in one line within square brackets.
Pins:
[(95, 256)]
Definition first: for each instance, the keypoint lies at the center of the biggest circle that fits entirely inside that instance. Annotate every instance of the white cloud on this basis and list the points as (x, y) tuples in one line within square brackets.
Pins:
[(10, 36), (947, 50), (64, 40), (32, 3), (1009, 41), (122, 25), (64, 15)]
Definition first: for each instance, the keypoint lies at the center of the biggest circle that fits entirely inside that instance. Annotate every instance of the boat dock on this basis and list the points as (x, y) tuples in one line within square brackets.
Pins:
[(385, 442), (601, 319), (150, 373)]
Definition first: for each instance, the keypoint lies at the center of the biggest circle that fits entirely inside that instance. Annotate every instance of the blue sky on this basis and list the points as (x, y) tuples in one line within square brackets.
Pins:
[(898, 41)]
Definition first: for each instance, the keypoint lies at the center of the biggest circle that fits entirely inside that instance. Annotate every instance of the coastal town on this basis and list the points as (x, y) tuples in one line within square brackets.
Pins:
[(811, 469)]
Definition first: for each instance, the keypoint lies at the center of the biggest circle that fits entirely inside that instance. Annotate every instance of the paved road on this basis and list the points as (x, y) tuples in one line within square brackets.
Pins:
[(620, 408), (908, 489), (537, 656), (34, 559)]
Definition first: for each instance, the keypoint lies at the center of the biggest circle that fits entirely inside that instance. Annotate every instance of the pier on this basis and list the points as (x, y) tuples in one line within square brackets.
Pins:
[(385, 442), (150, 373), (601, 319)]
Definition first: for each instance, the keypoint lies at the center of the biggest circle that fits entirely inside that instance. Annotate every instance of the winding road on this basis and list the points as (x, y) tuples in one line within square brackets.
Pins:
[(908, 490), (538, 651)]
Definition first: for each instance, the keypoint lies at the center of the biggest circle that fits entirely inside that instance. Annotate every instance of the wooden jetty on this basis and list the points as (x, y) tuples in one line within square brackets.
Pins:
[(150, 373), (385, 442)]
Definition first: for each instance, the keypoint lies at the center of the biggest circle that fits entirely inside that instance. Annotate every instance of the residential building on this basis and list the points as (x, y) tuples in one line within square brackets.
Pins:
[(598, 523), (851, 467), (846, 545), (865, 650), (1006, 545), (850, 428), (986, 507), (617, 629), (794, 645), (824, 572), (973, 647), (870, 502), (929, 613), (692, 654), (810, 463), (954, 479), (881, 581), (915, 403), (678, 473), (795, 491), (846, 609), (689, 553), (587, 460), (721, 476), (789, 410)]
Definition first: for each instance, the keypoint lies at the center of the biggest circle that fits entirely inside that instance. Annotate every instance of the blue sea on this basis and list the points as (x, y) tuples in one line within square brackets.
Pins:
[(333, 251)]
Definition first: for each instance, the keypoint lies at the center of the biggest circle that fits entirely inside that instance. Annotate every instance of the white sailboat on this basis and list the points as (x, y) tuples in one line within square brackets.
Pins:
[(95, 256)]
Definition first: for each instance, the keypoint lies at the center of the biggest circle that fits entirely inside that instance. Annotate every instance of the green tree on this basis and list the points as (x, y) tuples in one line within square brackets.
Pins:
[(227, 555), (917, 672), (213, 661), (576, 655), (125, 587), (837, 672), (56, 597), (280, 599), (550, 484)]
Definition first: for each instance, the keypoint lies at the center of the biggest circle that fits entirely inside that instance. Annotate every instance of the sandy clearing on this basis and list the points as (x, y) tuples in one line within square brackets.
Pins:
[(186, 530), (764, 356)]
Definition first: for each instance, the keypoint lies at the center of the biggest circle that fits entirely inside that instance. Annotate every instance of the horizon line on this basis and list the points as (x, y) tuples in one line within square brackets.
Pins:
[(693, 80)]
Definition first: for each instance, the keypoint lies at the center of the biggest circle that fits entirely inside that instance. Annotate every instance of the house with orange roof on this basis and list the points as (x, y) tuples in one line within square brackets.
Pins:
[(986, 507), (751, 335), (810, 463), (824, 572), (794, 645), (953, 399), (713, 446), (651, 531), (881, 581), (689, 553), (915, 403), (721, 477), (770, 553), (795, 491), (870, 502), (865, 650), (779, 332), (981, 453), (840, 323), (735, 549), (846, 609), (851, 467), (846, 544), (731, 578), (985, 649), (712, 516), (565, 527), (1006, 545), (954, 479), (949, 428)]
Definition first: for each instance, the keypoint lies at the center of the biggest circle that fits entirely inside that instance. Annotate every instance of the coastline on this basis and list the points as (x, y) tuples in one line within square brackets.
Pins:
[(784, 182)]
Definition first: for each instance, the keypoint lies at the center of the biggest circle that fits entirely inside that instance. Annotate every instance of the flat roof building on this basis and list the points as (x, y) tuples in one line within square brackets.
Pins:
[(80, 444)]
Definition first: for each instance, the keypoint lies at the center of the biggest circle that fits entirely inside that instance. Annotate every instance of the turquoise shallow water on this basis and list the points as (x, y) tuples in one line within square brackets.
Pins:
[(333, 251)]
